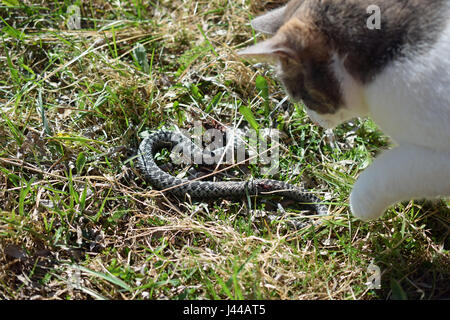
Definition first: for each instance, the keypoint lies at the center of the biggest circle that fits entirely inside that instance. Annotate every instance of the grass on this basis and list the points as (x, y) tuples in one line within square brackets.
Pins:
[(77, 221)]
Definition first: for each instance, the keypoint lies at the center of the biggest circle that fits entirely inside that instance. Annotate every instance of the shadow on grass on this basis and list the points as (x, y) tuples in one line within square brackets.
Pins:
[(416, 264)]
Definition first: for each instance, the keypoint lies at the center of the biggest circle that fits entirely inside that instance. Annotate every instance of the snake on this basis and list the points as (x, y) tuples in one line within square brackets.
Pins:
[(214, 190)]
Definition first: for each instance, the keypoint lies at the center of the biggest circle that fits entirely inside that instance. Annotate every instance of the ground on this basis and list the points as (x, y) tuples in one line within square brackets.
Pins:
[(77, 219)]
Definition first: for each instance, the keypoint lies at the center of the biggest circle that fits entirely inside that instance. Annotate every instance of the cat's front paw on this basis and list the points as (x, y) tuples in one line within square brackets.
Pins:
[(365, 207)]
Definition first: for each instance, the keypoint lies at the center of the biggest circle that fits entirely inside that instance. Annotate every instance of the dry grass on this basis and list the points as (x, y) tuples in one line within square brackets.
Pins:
[(76, 219)]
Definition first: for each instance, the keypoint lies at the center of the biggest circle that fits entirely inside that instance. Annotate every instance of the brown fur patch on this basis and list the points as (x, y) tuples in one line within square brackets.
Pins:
[(306, 39), (308, 76)]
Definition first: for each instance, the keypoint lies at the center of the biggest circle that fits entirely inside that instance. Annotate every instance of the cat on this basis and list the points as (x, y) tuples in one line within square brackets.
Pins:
[(331, 55)]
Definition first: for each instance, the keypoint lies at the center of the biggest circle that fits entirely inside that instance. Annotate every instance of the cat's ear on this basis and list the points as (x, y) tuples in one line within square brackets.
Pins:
[(270, 22), (270, 49), (296, 40)]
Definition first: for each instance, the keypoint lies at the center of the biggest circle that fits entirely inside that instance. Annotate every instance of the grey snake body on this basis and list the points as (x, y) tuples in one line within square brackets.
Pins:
[(209, 190)]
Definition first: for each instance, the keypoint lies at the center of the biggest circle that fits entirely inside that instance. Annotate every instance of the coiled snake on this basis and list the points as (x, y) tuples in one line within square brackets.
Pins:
[(209, 190)]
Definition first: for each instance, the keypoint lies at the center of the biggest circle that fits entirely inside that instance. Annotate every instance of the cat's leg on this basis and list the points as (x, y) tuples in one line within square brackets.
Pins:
[(403, 173)]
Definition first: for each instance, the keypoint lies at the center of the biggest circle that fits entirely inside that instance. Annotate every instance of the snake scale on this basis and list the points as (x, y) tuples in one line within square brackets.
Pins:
[(208, 190)]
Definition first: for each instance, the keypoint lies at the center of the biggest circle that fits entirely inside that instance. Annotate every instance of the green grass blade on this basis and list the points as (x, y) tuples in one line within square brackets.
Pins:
[(105, 276), (248, 115)]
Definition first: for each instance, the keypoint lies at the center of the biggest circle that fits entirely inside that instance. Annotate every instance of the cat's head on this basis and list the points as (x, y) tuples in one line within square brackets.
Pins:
[(305, 62)]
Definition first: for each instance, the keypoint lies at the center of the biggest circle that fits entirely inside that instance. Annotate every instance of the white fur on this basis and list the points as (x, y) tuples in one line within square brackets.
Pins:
[(410, 101), (402, 173)]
